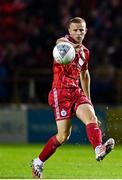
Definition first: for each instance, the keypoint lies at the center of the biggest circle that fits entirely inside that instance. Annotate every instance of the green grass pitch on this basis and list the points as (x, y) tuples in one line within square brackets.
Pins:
[(69, 162)]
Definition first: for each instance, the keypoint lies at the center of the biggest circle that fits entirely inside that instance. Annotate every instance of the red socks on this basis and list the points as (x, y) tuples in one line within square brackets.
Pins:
[(94, 134), (49, 148)]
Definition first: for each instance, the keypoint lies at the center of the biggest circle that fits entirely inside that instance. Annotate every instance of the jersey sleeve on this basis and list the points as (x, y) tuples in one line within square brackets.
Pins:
[(85, 66), (87, 57)]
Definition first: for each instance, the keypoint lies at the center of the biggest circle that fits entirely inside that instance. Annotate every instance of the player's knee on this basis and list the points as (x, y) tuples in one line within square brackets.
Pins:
[(69, 133), (93, 119), (63, 137)]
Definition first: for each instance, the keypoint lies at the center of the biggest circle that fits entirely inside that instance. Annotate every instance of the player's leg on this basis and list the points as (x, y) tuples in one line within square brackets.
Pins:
[(63, 132), (86, 113)]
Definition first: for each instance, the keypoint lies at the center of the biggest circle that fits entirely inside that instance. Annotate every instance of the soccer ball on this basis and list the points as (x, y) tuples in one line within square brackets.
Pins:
[(63, 53)]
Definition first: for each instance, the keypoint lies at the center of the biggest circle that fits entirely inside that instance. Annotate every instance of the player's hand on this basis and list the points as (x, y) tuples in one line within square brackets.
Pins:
[(61, 40)]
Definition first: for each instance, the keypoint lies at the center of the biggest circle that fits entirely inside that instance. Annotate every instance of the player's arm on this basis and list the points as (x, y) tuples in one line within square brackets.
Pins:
[(85, 82)]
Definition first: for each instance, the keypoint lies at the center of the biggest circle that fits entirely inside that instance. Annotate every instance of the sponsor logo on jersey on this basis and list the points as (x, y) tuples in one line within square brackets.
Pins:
[(81, 62)]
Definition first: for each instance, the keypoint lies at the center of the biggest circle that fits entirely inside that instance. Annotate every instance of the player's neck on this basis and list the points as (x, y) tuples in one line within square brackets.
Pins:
[(73, 40)]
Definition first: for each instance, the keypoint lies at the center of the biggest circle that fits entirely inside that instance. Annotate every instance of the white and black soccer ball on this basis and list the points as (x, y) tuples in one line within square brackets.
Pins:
[(63, 53)]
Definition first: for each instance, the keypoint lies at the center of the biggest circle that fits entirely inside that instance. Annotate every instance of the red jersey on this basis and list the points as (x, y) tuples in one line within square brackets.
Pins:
[(67, 76)]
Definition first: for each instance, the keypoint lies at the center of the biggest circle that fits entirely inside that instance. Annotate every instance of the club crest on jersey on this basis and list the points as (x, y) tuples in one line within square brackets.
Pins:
[(63, 113)]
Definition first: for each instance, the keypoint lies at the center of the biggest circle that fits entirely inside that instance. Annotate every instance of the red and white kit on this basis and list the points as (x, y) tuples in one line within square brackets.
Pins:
[(66, 94)]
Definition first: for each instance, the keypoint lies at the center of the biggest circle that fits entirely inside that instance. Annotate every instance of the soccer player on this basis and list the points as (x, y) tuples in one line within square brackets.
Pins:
[(68, 97)]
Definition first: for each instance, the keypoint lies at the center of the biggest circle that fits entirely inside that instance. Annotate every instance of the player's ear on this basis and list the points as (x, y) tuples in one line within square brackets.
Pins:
[(86, 30), (69, 30)]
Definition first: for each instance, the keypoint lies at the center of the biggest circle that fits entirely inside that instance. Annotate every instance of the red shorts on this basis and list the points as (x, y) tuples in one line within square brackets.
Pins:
[(66, 101)]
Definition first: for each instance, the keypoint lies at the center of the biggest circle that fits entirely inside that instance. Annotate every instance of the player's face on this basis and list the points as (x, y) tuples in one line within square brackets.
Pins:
[(77, 31)]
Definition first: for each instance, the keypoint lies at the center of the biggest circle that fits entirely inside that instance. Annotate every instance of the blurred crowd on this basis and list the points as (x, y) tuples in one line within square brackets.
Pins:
[(28, 31)]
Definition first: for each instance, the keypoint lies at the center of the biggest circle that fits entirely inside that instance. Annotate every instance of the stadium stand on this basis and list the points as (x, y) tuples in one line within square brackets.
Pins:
[(28, 30)]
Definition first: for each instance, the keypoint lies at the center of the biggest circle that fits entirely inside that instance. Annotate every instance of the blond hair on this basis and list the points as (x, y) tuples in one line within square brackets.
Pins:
[(77, 20)]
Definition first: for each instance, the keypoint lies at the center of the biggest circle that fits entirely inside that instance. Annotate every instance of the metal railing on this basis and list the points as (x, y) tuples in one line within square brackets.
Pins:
[(36, 83), (26, 80)]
